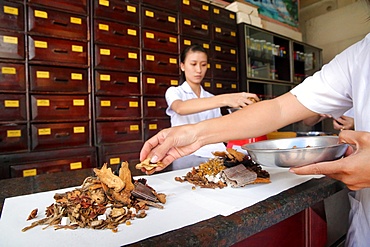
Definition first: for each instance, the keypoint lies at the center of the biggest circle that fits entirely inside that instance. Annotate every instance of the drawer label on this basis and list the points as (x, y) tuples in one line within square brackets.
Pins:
[(131, 32), (104, 3), (216, 11), (78, 102), (149, 13), (173, 40), (233, 86), (8, 70), (233, 68), (218, 30), (77, 48), (75, 165), (149, 35), (206, 46), (232, 51), (150, 57), (78, 129), (233, 34), (173, 60), (205, 7), (103, 27), (174, 82), (105, 103), (153, 126), (10, 40), (76, 76), (41, 14), (217, 48), (41, 44), (207, 84), (187, 42), (232, 16), (151, 103), (172, 19), (134, 127), (42, 74), (114, 161), (43, 102), (13, 133), (131, 9), (150, 80), (218, 85), (105, 52), (133, 79), (218, 66), (204, 27), (187, 22), (75, 20), (186, 2), (132, 55), (133, 104), (10, 10), (29, 172), (44, 132), (11, 103), (104, 77)]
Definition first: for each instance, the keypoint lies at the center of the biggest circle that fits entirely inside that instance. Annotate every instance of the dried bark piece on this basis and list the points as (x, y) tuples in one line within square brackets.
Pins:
[(237, 155), (149, 166), (33, 214), (106, 176), (125, 175)]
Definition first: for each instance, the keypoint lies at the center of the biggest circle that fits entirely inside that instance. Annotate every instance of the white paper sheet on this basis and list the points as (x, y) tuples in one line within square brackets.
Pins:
[(184, 207)]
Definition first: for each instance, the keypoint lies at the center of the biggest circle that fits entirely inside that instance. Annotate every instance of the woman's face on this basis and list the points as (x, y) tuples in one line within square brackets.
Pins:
[(194, 66)]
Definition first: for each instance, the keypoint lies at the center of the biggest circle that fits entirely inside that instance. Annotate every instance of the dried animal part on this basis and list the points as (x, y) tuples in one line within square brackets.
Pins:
[(95, 205), (148, 166), (106, 176), (125, 176), (238, 176), (33, 214), (144, 192)]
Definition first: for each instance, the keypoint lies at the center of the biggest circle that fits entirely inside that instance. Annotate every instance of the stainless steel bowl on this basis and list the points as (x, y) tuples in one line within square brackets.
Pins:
[(298, 151)]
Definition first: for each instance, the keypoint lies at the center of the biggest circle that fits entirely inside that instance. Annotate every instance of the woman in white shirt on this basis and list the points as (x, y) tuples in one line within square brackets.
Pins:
[(342, 84), (189, 103)]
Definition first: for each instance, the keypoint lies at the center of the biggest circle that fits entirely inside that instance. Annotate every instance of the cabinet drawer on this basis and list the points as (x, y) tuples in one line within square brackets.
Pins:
[(77, 6), (58, 79), (117, 83), (13, 107), (11, 45), (224, 52), (187, 41), (225, 34), (117, 107), (153, 126), (220, 87), (224, 70), (12, 77), (117, 58), (59, 165), (53, 136), (13, 138), (63, 107), (11, 16), (170, 5), (160, 20), (223, 16), (52, 50), (158, 41), (116, 132), (160, 63), (155, 107), (157, 85), (56, 23), (120, 11), (195, 27), (115, 33), (196, 8)]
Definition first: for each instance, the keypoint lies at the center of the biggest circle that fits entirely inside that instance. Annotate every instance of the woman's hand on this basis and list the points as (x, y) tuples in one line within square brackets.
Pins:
[(236, 100), (344, 123), (354, 169)]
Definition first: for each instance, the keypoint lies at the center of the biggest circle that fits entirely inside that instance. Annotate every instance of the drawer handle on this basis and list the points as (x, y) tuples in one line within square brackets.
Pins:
[(120, 132), (61, 135), (162, 63), (118, 8), (119, 82), (60, 51), (161, 19), (60, 23), (197, 27), (61, 107), (119, 107), (118, 33), (163, 85), (162, 40), (226, 34), (60, 80), (119, 58)]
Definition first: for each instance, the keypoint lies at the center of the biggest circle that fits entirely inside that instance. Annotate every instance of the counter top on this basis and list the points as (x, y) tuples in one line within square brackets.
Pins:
[(219, 230)]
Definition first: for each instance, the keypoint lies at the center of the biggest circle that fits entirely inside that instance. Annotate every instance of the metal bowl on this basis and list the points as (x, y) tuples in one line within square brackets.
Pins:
[(298, 151), (314, 133)]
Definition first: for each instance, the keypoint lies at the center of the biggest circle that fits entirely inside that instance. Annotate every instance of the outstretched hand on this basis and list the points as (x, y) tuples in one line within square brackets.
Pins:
[(354, 169)]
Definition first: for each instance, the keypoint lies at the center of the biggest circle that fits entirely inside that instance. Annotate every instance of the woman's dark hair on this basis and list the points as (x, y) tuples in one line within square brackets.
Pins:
[(184, 53)]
